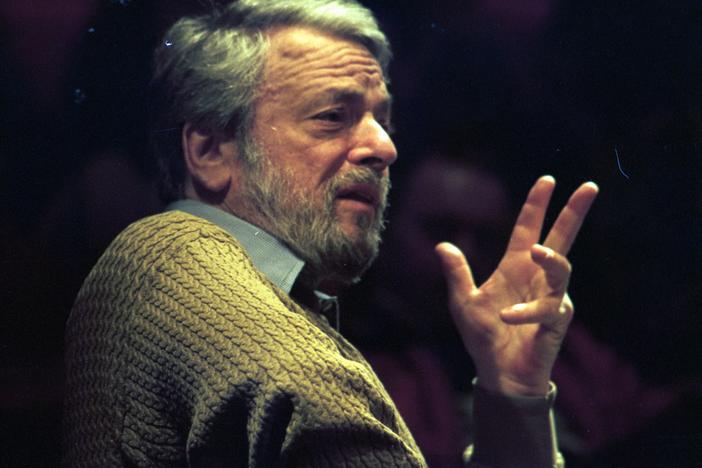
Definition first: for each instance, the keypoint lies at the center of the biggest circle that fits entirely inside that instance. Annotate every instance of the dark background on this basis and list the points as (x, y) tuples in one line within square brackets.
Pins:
[(584, 90)]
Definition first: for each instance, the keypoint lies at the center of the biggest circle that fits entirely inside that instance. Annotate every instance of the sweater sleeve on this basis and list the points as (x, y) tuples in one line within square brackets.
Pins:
[(514, 432)]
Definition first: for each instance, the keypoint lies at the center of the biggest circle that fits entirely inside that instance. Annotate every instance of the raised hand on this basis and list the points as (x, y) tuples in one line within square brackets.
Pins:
[(514, 323)]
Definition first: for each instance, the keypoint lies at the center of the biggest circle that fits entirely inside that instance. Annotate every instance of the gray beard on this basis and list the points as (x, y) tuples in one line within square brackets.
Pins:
[(311, 229)]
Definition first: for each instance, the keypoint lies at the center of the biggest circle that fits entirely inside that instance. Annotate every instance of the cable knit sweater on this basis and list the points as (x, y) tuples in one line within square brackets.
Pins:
[(180, 353)]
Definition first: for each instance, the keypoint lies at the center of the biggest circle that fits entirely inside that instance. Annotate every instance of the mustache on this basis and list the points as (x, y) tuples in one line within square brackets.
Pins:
[(361, 176)]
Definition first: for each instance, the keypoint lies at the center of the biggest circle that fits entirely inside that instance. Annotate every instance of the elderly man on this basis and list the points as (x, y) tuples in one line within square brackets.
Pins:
[(203, 335)]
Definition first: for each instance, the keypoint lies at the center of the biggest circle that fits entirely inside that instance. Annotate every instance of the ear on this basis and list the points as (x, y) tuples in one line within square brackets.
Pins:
[(209, 158)]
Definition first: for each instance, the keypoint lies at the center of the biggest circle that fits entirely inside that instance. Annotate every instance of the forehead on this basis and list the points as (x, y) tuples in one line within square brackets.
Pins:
[(304, 60)]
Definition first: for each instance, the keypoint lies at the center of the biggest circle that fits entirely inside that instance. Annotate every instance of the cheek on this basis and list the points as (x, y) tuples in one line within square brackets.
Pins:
[(313, 176), (327, 163), (309, 161)]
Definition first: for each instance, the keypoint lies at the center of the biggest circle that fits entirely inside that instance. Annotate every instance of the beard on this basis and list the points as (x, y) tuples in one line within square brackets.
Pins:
[(309, 226)]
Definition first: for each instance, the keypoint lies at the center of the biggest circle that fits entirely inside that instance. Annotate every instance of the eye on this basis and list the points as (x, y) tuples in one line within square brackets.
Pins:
[(336, 115)]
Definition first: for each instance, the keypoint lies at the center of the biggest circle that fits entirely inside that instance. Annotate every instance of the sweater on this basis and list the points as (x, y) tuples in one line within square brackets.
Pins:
[(181, 353)]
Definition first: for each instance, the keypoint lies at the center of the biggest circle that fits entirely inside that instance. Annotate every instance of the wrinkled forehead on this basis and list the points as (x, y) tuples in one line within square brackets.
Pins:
[(305, 57)]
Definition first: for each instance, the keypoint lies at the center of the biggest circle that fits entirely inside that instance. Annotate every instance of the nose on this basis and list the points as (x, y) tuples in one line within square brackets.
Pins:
[(372, 146)]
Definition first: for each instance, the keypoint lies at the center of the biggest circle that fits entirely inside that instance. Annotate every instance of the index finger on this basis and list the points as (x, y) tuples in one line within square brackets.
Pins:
[(562, 235), (456, 269)]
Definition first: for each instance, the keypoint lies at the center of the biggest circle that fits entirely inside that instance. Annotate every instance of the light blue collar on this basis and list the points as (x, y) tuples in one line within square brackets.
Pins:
[(268, 254)]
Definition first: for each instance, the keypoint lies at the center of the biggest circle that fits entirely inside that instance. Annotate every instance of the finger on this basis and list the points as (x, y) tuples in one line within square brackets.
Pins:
[(456, 269), (527, 229), (562, 235), (546, 311), (555, 266)]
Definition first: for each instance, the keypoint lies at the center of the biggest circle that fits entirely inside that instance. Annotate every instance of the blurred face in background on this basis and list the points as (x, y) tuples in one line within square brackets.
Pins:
[(446, 200)]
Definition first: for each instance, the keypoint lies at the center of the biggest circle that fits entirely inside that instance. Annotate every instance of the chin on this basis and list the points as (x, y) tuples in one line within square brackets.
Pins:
[(359, 226), (354, 233), (347, 265)]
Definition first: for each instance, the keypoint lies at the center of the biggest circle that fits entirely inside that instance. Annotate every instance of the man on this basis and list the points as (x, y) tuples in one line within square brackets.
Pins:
[(200, 337)]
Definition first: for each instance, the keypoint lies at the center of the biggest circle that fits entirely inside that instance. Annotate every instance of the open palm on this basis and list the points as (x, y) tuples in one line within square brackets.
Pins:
[(514, 323)]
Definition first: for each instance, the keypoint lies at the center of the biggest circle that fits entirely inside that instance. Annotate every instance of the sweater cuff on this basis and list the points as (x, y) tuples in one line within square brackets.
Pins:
[(512, 431)]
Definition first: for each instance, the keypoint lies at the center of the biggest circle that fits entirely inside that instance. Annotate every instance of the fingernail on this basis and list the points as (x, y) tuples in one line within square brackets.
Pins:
[(449, 247), (549, 253), (549, 178), (518, 307), (593, 185)]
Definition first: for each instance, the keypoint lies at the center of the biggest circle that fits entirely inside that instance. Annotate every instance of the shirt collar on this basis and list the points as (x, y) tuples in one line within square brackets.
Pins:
[(280, 265)]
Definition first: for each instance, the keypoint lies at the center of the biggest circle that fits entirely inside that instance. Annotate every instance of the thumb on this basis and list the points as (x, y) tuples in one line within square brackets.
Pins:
[(456, 270)]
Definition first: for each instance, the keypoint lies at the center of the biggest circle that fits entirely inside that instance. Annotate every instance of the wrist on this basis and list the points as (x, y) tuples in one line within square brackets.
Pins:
[(513, 387), (514, 431)]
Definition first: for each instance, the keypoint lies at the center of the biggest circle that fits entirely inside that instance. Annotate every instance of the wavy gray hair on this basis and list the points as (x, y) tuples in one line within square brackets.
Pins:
[(207, 70)]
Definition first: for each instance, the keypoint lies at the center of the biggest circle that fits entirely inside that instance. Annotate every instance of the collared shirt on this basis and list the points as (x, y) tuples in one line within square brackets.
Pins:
[(269, 255)]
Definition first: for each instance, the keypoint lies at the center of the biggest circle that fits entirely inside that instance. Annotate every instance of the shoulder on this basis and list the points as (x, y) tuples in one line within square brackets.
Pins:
[(171, 230), (159, 238), (185, 258), (167, 242)]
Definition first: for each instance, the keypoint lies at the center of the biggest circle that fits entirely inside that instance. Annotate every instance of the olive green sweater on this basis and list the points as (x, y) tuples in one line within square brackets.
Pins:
[(180, 353)]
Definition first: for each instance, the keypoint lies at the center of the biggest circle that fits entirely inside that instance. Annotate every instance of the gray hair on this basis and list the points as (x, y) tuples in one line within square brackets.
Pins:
[(208, 68)]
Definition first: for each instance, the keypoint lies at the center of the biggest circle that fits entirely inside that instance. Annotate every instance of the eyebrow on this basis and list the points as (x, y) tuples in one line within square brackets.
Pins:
[(344, 95)]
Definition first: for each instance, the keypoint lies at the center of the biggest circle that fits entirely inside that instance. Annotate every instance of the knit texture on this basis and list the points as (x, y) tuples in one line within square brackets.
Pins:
[(180, 353)]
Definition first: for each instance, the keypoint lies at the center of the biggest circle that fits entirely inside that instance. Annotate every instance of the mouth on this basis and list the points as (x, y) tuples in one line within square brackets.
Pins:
[(367, 194)]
